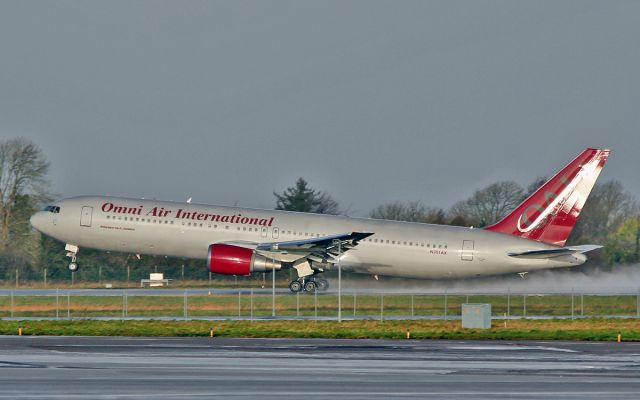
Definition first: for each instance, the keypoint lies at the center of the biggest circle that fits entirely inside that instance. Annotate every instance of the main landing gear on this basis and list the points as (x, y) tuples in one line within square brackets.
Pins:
[(309, 285), (72, 251)]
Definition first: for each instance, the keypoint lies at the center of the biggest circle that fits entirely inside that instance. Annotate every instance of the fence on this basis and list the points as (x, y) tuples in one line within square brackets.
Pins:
[(261, 304)]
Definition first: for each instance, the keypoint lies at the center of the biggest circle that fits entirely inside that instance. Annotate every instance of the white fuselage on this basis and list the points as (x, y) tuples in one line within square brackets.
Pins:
[(186, 230)]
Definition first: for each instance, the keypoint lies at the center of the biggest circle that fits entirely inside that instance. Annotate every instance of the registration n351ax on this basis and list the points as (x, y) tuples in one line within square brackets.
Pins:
[(239, 241)]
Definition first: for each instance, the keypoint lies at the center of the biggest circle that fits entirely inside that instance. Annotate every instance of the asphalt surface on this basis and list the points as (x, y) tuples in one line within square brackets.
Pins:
[(193, 368)]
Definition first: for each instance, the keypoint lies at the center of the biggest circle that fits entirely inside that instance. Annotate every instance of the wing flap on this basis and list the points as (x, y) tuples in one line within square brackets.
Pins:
[(347, 240)]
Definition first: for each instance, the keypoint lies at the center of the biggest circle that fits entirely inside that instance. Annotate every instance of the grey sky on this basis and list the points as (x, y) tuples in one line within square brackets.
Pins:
[(370, 101)]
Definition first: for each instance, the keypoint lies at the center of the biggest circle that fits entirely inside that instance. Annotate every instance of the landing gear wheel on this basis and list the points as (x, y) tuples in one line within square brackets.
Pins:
[(322, 285), (310, 286), (295, 286), (73, 266)]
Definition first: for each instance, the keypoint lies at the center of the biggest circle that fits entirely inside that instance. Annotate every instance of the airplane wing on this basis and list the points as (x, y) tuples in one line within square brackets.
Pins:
[(551, 253), (319, 249)]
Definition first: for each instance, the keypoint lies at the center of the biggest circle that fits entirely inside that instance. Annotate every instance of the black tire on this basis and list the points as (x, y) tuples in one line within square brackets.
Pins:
[(322, 284), (310, 286), (73, 266), (295, 286)]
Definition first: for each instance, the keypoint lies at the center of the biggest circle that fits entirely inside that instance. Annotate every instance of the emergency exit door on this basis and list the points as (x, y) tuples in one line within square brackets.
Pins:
[(86, 216)]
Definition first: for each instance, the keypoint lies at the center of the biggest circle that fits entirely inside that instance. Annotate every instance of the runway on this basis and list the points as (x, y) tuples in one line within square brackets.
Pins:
[(193, 368)]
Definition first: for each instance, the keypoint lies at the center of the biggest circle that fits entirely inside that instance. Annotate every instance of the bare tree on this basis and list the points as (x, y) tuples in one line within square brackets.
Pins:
[(608, 206), (411, 212), (22, 172), (489, 205), (533, 186)]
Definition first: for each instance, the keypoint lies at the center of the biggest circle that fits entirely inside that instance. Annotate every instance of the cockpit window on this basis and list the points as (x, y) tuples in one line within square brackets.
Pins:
[(52, 209)]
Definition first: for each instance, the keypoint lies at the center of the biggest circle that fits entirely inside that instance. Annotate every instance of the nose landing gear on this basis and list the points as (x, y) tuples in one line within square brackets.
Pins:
[(72, 251)]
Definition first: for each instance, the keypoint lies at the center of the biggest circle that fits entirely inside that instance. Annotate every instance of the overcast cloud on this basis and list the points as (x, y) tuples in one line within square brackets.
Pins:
[(371, 101)]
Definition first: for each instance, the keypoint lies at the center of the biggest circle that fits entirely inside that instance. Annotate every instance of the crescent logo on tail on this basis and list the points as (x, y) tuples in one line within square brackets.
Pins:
[(550, 213)]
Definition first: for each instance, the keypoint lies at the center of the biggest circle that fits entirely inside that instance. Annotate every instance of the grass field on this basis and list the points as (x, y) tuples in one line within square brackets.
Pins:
[(583, 329), (322, 305)]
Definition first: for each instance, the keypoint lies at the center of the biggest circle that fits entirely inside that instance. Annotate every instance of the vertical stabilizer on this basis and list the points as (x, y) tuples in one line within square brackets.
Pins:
[(549, 214)]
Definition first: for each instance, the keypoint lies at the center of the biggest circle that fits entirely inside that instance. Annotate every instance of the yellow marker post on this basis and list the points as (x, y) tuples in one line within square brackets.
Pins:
[(619, 338), (20, 331), (408, 333), (211, 332)]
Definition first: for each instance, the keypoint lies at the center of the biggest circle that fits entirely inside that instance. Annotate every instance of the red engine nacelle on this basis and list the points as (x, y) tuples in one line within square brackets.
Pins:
[(228, 259)]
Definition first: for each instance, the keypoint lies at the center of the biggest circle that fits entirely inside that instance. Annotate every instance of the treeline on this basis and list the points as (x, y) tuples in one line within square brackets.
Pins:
[(611, 217)]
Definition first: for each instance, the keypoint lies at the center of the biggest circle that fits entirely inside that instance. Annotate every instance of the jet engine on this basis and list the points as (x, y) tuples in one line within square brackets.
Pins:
[(228, 259)]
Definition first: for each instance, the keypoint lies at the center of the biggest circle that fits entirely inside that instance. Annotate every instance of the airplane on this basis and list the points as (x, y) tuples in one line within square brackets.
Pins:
[(241, 241)]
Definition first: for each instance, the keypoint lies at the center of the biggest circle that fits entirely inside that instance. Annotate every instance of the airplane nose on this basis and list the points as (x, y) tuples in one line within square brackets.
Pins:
[(36, 220)]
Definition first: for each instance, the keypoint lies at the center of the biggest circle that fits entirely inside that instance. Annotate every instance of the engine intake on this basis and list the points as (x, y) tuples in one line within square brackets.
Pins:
[(228, 259)]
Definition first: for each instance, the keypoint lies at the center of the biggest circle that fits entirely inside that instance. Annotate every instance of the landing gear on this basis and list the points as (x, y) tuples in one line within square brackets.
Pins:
[(322, 284), (310, 285), (72, 251), (295, 286)]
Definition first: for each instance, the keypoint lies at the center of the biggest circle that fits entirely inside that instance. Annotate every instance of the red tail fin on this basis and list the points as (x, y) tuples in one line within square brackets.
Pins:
[(550, 213)]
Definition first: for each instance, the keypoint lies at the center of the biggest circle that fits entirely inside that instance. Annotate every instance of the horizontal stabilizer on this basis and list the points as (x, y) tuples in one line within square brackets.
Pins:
[(551, 253)]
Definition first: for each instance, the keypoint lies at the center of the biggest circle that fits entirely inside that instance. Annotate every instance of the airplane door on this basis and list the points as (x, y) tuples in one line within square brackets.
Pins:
[(276, 233), (467, 250), (86, 216)]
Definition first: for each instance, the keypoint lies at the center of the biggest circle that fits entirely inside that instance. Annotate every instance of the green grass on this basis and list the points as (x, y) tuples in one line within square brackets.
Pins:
[(585, 329), (229, 305)]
